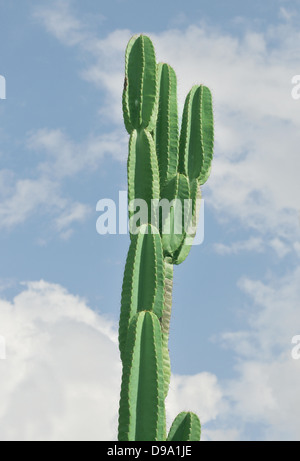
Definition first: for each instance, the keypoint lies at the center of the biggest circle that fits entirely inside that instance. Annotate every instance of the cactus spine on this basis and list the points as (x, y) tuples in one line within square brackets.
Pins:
[(162, 166)]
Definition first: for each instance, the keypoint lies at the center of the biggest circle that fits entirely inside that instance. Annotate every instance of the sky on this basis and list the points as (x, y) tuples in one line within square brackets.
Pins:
[(63, 147)]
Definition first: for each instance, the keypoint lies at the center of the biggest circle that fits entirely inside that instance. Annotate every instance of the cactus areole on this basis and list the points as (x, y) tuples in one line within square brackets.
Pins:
[(163, 163)]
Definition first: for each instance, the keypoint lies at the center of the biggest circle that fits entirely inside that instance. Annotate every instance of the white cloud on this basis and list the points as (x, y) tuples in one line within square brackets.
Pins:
[(6, 283), (255, 244), (104, 56), (59, 158), (297, 248), (106, 71), (219, 435), (265, 392), (287, 14), (277, 305), (66, 158), (199, 393), (60, 380), (280, 247), (60, 23), (25, 198), (78, 212)]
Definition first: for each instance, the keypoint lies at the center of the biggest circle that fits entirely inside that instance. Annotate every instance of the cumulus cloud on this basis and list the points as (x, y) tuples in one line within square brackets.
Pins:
[(78, 212), (60, 380), (253, 244), (266, 389), (280, 247), (256, 245), (297, 248), (24, 198), (59, 158), (65, 158), (59, 21), (200, 393), (61, 377), (266, 395), (275, 309)]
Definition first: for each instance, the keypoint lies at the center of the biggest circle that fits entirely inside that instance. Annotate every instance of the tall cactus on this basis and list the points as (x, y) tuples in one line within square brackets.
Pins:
[(164, 168)]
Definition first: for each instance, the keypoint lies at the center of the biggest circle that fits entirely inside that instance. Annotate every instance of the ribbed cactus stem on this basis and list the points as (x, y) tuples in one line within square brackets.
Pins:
[(197, 134), (143, 172), (143, 283), (186, 427), (166, 132), (142, 412), (140, 86)]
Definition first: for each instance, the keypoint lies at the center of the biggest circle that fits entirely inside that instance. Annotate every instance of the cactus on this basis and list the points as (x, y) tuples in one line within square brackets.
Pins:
[(163, 168), (142, 390), (185, 428)]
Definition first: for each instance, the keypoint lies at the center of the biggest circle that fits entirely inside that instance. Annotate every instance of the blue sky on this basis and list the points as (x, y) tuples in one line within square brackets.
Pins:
[(63, 147)]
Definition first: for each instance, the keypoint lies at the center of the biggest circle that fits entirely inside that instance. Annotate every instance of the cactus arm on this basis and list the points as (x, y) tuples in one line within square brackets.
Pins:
[(208, 134), (186, 428), (185, 159), (143, 283), (142, 393), (191, 152), (196, 138), (166, 132)]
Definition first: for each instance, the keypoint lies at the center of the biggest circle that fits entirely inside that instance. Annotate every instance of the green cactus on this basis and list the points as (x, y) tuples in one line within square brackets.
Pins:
[(164, 168), (185, 428), (142, 391), (143, 284)]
